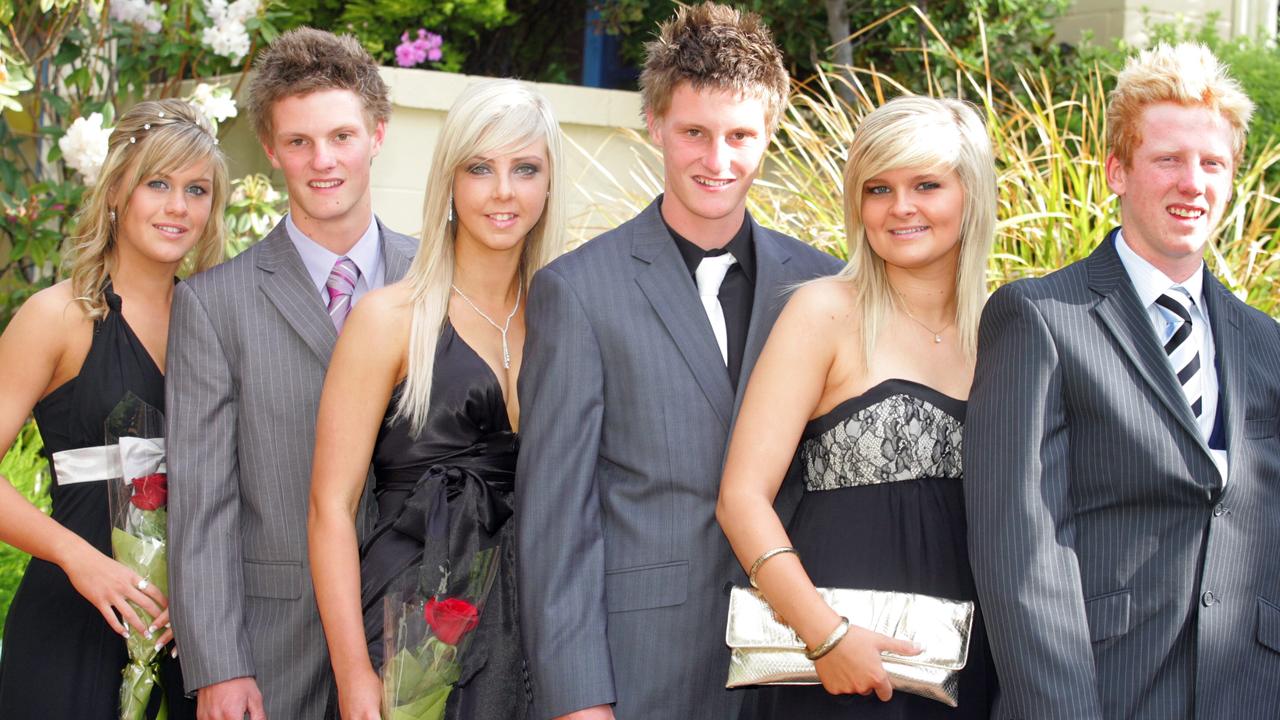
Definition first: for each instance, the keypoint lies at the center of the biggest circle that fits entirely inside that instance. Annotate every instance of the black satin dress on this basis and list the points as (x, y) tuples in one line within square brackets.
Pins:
[(60, 658), (441, 497)]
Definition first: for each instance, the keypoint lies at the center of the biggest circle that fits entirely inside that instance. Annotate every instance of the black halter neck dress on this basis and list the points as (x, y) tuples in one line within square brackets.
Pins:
[(60, 659)]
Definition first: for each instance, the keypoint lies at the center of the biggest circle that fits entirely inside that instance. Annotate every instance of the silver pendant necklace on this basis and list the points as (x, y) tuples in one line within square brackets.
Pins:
[(506, 349)]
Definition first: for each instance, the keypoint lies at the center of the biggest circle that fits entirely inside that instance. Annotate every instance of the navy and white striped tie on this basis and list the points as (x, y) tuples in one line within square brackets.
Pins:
[(1183, 347)]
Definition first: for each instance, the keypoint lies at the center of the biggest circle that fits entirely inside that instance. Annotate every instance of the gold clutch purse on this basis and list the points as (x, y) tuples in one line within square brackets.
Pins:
[(764, 651)]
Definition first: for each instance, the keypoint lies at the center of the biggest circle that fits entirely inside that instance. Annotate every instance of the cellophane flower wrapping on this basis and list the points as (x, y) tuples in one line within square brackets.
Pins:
[(426, 633), (138, 502)]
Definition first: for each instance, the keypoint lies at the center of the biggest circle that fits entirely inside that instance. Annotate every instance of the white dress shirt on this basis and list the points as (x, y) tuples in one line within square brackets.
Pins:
[(319, 261), (1151, 283)]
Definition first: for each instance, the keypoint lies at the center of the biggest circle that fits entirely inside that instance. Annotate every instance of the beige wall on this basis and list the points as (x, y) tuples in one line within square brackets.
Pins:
[(589, 117), (1110, 19)]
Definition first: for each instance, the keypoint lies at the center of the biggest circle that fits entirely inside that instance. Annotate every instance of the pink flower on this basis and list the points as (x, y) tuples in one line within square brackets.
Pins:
[(425, 47)]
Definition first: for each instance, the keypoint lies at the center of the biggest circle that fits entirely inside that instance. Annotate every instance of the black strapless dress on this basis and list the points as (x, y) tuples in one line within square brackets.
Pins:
[(60, 658), (441, 497), (883, 509)]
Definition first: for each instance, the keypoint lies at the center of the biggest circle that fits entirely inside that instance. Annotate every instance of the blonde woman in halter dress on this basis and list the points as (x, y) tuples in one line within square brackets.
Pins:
[(70, 354), (423, 386)]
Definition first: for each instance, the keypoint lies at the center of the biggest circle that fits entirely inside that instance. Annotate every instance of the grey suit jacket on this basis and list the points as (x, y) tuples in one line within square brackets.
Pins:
[(249, 343), (626, 408), (1118, 577)]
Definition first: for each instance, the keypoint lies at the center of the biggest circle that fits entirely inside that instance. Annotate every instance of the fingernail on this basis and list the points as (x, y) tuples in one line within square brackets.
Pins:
[(158, 646), (148, 633), (174, 654), (166, 626), (151, 630), (125, 633)]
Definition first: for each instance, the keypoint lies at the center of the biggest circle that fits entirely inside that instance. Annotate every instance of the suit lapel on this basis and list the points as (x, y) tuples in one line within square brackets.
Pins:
[(766, 303), (287, 285), (1123, 315), (395, 259), (1233, 374), (666, 283)]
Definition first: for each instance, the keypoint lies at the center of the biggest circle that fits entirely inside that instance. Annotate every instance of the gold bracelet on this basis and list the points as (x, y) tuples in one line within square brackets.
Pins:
[(755, 566), (831, 642)]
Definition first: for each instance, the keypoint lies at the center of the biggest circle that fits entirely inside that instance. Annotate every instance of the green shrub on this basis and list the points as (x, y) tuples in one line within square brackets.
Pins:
[(26, 469)]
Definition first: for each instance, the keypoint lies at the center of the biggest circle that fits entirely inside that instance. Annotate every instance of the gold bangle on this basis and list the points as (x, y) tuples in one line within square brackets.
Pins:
[(755, 566), (831, 642)]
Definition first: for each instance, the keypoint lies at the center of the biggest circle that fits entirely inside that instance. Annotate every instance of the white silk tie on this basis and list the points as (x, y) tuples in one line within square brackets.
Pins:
[(709, 275)]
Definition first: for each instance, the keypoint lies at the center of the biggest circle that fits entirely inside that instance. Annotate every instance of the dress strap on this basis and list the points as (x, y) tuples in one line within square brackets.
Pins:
[(113, 300)]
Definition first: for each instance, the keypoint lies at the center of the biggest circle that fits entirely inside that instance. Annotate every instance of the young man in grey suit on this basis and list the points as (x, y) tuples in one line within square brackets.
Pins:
[(249, 344), (639, 345), (1122, 465)]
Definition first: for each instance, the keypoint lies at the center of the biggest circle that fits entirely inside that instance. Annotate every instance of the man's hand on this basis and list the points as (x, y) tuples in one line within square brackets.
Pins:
[(597, 712), (230, 700)]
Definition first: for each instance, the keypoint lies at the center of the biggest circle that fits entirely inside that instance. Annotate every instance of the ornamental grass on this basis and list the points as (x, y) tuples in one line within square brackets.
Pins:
[(1049, 140)]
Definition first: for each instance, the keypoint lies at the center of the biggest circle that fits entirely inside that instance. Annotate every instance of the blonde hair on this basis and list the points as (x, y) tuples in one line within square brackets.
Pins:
[(1187, 74), (155, 137), (922, 132), (718, 47), (489, 117)]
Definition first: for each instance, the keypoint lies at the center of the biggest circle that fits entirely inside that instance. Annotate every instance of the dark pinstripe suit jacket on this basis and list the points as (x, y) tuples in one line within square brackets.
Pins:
[(1119, 578), (249, 344), (626, 411)]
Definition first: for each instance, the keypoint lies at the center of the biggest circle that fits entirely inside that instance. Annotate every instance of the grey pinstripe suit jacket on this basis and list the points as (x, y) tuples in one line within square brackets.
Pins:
[(249, 343), (1119, 578), (626, 408)]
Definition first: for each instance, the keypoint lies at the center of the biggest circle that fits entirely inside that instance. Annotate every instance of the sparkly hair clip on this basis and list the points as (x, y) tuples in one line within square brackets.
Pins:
[(168, 120)]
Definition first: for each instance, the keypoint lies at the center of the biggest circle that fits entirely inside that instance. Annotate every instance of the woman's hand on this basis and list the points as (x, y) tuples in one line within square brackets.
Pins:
[(360, 698), (110, 587), (161, 622), (854, 664)]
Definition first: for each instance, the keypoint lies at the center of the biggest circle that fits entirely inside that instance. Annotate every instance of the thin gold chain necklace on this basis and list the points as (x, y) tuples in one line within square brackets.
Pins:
[(937, 334)]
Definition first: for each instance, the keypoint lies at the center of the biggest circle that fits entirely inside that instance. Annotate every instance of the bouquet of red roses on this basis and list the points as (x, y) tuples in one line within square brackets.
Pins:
[(138, 501), (425, 637)]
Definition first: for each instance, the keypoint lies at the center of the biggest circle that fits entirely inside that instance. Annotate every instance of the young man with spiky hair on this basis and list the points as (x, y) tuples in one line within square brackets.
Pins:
[(249, 343), (638, 349), (1121, 460)]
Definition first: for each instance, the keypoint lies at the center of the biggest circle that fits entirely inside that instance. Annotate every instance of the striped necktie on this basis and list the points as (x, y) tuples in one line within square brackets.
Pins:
[(340, 285), (1183, 346)]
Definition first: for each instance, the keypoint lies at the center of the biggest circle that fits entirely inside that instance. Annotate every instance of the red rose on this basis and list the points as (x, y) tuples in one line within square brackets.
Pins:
[(150, 492), (451, 618)]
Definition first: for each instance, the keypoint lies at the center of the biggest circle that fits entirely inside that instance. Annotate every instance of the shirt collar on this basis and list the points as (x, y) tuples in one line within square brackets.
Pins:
[(740, 246), (1149, 281), (319, 261)]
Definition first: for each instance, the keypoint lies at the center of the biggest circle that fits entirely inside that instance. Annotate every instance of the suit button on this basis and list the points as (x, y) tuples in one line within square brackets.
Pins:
[(1208, 598), (1219, 510)]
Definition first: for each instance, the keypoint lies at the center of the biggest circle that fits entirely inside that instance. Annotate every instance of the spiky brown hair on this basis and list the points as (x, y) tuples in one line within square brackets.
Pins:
[(719, 47), (305, 60)]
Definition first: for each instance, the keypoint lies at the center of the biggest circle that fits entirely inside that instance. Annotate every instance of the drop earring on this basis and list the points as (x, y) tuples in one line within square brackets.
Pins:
[(112, 214), (450, 206)]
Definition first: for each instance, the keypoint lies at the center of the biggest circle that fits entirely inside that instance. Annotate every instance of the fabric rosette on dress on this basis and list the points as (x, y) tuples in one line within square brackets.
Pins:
[(138, 501), (433, 600)]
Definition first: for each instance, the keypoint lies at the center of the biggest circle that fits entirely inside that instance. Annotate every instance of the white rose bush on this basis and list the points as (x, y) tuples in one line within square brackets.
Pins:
[(84, 147)]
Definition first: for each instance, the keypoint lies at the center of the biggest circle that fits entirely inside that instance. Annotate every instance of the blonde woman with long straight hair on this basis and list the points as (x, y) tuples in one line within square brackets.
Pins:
[(70, 354), (423, 385), (864, 378)]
